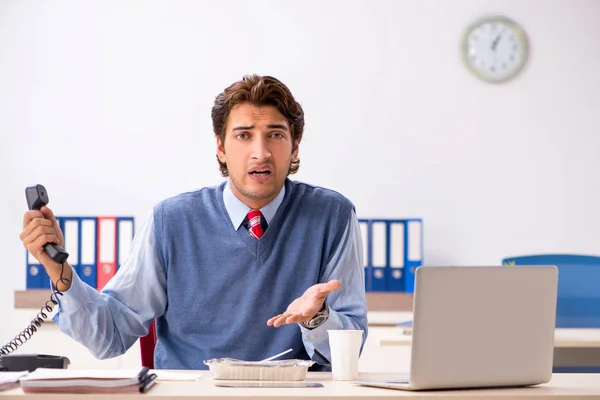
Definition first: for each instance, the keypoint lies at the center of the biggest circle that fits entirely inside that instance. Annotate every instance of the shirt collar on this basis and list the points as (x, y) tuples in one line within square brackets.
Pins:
[(237, 210)]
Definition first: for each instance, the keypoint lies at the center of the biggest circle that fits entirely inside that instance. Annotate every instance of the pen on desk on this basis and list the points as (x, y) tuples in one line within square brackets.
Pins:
[(143, 372), (147, 383)]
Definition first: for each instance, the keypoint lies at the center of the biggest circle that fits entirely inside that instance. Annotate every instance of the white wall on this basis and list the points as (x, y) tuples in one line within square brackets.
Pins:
[(108, 105)]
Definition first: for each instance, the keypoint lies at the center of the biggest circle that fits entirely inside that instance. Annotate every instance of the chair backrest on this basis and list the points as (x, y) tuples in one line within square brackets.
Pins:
[(147, 344), (578, 304)]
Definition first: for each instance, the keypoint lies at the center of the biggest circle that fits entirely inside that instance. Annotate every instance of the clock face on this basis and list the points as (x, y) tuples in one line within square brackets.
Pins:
[(495, 49)]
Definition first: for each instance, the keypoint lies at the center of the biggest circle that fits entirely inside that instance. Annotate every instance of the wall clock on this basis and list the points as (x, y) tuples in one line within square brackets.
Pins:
[(495, 49)]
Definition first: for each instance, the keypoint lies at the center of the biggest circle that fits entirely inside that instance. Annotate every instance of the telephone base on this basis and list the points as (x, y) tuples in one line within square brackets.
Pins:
[(30, 362)]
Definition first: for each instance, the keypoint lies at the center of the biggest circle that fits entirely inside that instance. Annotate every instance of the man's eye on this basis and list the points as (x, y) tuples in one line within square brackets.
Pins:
[(242, 136), (277, 134)]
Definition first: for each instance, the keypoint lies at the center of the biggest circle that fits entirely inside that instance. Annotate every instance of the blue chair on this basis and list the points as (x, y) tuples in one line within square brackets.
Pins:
[(578, 303)]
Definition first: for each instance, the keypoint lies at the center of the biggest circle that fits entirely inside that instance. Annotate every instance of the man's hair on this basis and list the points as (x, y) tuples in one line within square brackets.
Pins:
[(259, 91)]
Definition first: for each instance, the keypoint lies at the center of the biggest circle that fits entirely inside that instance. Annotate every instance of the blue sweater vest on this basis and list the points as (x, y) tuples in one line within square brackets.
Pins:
[(223, 285)]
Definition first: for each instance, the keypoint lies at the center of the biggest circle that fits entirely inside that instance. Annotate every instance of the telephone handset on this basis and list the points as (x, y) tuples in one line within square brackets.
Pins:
[(37, 197)]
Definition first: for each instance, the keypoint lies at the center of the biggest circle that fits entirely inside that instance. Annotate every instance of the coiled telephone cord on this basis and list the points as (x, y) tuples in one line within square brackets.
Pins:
[(40, 318)]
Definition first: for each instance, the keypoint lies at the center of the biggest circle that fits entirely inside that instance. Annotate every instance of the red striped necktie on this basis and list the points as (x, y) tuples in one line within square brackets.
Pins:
[(254, 227)]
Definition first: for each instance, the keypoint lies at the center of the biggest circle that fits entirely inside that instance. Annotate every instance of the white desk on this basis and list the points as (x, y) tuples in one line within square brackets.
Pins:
[(563, 338), (573, 348), (562, 386), (388, 318)]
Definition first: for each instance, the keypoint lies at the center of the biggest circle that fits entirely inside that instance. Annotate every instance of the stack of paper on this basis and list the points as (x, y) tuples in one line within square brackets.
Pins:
[(163, 375), (10, 380), (49, 380)]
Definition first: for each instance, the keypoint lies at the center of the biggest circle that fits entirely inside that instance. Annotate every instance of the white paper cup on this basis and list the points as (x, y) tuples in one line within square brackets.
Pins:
[(344, 345)]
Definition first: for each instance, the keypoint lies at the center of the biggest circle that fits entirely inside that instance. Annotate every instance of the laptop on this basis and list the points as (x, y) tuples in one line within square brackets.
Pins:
[(480, 327)]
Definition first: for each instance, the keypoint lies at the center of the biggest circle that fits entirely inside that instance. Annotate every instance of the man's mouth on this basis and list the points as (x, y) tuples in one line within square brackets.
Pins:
[(261, 172)]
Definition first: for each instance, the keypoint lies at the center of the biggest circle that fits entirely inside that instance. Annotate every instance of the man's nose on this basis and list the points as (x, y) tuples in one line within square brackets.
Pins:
[(260, 150)]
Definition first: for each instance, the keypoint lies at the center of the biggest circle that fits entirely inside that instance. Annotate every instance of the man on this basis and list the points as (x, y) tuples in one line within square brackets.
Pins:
[(247, 269)]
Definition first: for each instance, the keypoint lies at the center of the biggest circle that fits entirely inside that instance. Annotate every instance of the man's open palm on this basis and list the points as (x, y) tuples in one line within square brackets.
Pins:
[(304, 308)]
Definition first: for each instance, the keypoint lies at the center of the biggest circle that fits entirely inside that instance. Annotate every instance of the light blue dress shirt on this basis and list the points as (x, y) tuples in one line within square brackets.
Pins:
[(109, 322)]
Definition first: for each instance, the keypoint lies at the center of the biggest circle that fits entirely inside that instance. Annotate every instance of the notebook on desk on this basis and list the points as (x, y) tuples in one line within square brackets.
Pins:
[(480, 327), (49, 380)]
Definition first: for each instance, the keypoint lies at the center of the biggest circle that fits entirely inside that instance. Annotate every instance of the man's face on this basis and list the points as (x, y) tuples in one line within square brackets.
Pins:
[(258, 152)]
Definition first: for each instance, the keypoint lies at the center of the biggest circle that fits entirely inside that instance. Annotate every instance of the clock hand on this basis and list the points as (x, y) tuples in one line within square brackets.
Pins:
[(495, 42)]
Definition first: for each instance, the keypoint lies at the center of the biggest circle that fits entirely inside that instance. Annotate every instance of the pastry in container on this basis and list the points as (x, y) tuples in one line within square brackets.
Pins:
[(275, 370)]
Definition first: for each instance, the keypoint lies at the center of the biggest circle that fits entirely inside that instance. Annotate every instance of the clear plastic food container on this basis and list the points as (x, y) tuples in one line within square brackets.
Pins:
[(276, 370)]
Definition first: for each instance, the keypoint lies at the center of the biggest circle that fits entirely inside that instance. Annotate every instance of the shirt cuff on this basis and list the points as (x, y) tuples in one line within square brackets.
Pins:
[(73, 298), (318, 336)]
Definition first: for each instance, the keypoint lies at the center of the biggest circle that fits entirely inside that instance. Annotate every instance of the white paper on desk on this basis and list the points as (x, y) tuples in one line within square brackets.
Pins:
[(10, 380), (57, 373), (11, 377), (162, 375), (92, 379)]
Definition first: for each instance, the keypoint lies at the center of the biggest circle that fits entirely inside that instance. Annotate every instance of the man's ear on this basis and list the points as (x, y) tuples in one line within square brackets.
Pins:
[(296, 150), (220, 149)]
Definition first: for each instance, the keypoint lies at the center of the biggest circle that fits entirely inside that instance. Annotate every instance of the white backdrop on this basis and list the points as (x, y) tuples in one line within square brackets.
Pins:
[(107, 104)]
